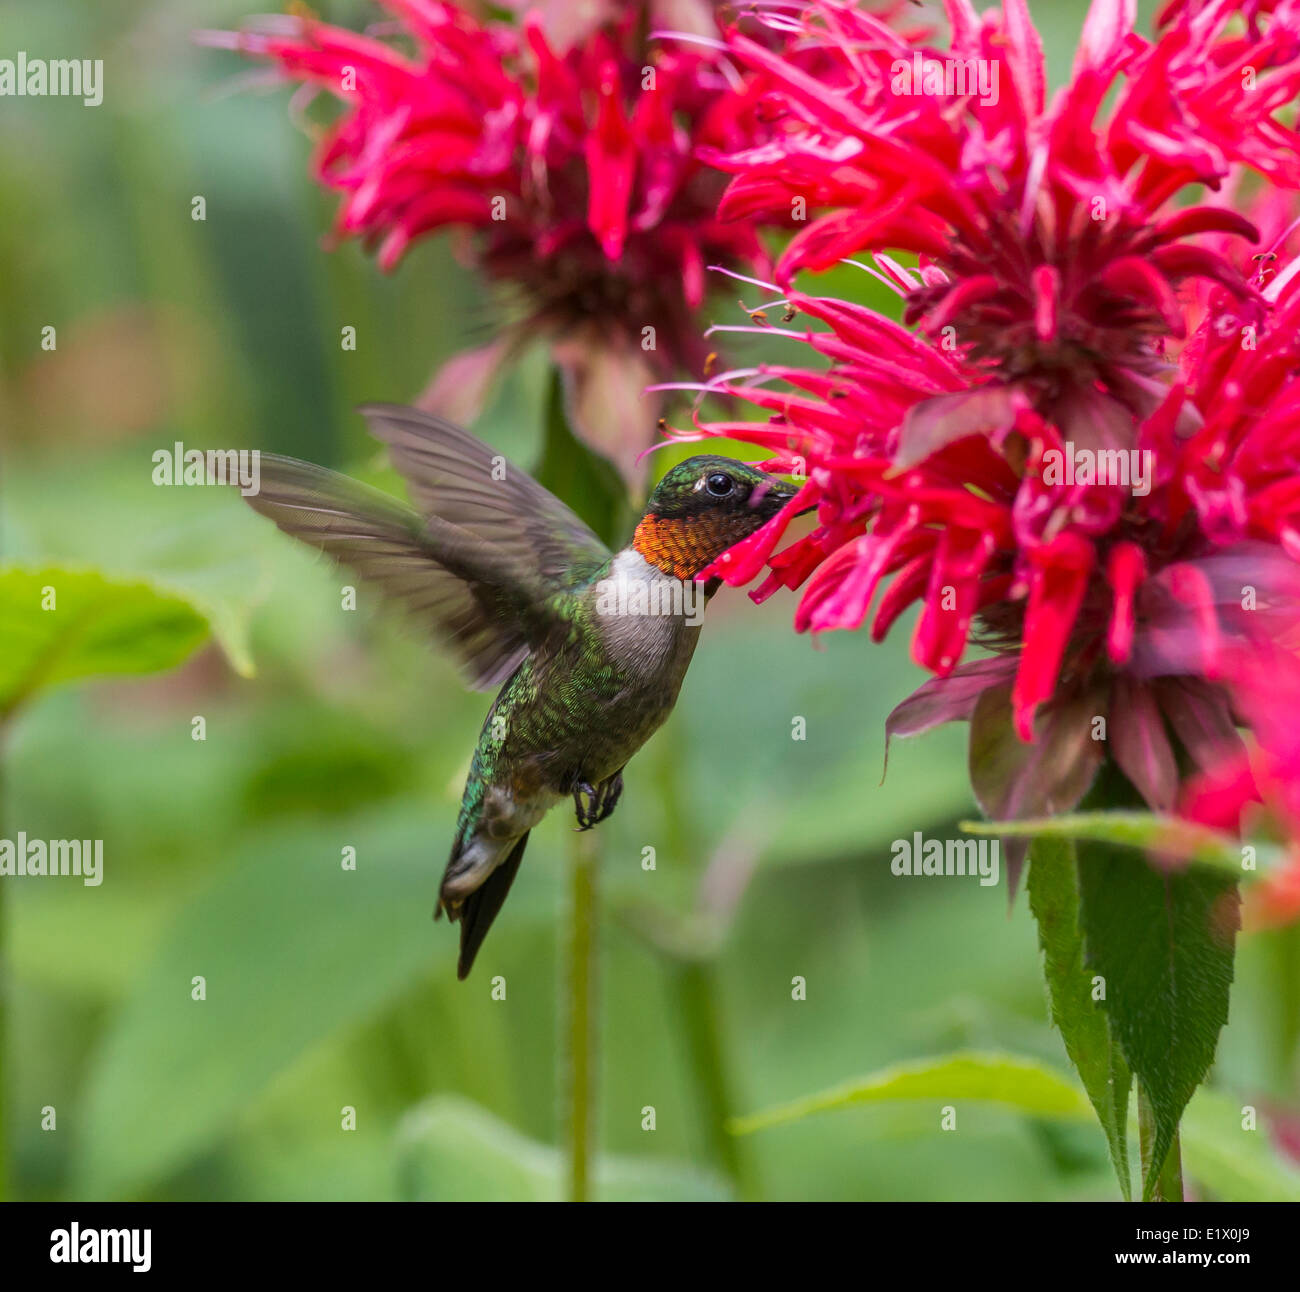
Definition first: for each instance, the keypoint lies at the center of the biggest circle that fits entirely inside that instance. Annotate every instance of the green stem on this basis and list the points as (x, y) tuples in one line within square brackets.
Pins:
[(579, 995), (7, 1184), (1169, 1184), (1282, 954), (593, 488)]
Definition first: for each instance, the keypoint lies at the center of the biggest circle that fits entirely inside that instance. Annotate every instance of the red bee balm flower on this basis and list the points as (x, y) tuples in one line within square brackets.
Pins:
[(572, 165), (1260, 787), (1030, 464)]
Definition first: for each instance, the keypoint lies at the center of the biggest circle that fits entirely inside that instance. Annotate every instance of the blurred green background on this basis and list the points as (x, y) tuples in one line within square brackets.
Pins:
[(329, 988)]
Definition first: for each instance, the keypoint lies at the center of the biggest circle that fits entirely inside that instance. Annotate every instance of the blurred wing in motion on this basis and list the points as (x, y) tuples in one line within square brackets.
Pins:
[(476, 598), (458, 478)]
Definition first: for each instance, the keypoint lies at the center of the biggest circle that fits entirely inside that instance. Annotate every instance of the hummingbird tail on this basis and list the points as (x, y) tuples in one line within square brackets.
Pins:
[(482, 906)]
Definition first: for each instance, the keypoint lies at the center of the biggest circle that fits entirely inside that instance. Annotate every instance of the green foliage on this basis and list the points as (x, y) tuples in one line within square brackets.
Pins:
[(291, 947), (1162, 939), (1164, 945), (1162, 836), (578, 476), (1229, 1162), (1053, 887), (60, 625), (196, 546), (1023, 1084), (449, 1150)]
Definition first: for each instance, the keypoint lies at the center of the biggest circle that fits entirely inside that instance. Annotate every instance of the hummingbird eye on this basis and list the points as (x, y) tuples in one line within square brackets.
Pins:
[(719, 484)]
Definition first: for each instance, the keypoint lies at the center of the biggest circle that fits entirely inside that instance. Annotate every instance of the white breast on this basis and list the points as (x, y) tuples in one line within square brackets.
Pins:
[(647, 616)]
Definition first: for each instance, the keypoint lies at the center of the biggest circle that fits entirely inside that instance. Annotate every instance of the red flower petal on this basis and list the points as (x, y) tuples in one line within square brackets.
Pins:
[(1058, 580)]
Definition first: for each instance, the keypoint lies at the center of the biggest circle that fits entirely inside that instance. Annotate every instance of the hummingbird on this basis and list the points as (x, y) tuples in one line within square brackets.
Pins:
[(589, 646)]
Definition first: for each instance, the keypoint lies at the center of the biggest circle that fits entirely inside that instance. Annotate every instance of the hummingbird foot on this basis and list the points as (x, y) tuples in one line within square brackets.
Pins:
[(585, 798), (592, 804), (611, 791)]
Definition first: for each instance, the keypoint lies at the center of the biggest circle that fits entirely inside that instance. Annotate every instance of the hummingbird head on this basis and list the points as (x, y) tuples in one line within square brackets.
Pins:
[(702, 507)]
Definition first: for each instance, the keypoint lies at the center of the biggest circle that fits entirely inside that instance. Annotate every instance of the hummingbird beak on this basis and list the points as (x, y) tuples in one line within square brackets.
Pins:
[(778, 496)]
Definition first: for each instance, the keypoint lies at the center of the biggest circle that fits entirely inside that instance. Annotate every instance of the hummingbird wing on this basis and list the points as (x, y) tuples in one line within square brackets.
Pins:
[(476, 598), (453, 475)]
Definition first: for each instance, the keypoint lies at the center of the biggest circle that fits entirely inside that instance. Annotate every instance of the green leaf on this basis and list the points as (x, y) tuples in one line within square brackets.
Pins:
[(1054, 902), (201, 544), (573, 473), (292, 947), (1013, 779), (200, 566), (1230, 1162), (1163, 942), (450, 1149), (1005, 1079), (1166, 836), (58, 625)]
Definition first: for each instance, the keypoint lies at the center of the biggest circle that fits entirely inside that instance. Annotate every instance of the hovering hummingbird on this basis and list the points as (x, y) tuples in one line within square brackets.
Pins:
[(592, 645)]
